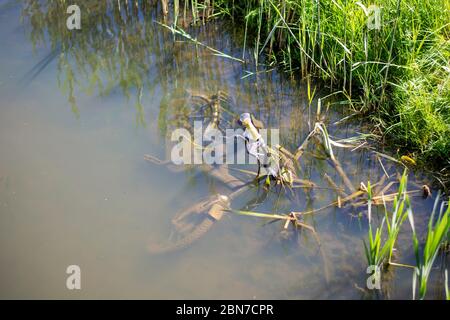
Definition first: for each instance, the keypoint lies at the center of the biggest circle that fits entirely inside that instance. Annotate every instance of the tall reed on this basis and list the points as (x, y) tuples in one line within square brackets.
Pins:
[(398, 72), (437, 232), (379, 250)]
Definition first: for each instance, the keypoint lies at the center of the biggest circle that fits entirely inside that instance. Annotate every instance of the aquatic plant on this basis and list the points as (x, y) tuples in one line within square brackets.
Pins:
[(396, 72), (401, 210), (437, 232), (375, 252), (378, 251)]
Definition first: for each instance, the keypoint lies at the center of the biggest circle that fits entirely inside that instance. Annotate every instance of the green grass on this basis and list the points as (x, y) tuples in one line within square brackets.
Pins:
[(437, 233), (401, 210), (375, 252), (398, 75), (379, 249), (380, 245), (422, 101)]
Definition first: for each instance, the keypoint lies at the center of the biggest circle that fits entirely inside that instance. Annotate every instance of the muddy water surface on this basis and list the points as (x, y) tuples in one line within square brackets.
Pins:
[(78, 110)]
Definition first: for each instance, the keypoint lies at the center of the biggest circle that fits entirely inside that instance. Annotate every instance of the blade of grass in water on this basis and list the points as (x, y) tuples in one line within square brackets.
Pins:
[(262, 215), (379, 252), (186, 35)]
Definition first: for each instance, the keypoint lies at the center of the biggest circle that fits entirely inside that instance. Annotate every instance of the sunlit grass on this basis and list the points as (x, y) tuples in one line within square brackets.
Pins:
[(380, 244), (379, 248), (437, 232), (397, 74)]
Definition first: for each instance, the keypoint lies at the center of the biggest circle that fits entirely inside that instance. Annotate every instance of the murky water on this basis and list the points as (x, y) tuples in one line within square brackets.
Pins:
[(79, 109)]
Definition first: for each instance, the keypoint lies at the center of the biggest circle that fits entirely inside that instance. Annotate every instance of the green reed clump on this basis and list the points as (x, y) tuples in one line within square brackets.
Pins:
[(401, 210), (378, 250), (423, 105), (397, 72), (375, 252), (437, 232), (380, 245)]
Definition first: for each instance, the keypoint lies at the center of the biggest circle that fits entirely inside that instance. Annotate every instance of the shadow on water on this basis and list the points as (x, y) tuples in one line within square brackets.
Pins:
[(121, 56)]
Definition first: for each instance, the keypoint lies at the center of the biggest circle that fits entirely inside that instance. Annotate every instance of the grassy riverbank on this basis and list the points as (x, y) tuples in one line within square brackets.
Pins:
[(397, 74)]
